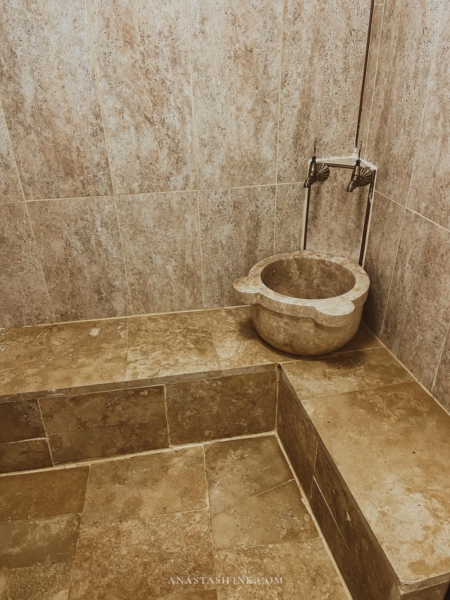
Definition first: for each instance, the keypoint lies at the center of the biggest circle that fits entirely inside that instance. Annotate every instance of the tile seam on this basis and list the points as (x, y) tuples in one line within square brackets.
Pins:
[(2, 110), (441, 356)]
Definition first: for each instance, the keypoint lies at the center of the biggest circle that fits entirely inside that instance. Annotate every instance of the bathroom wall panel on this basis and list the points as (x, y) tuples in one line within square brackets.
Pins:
[(50, 101), (23, 293), (141, 51), (418, 311), (429, 193), (79, 244), (237, 231), (235, 70), (408, 42), (10, 189), (289, 217), (384, 238), (323, 57), (336, 217), (161, 239)]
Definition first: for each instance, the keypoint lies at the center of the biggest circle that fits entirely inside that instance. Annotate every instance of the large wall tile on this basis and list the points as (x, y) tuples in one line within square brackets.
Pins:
[(23, 298), (161, 239), (407, 45), (441, 387), (323, 58), (431, 177), (79, 244), (20, 421), (336, 217), (24, 456), (49, 99), (382, 246), (418, 309), (142, 58), (289, 217), (237, 228), (235, 63), (9, 180)]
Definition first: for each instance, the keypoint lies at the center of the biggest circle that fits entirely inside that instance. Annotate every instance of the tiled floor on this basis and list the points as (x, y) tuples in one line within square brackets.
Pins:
[(128, 528)]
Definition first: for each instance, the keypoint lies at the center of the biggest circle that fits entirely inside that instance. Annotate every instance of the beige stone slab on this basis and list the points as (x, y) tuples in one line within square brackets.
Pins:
[(142, 60), (46, 494), (10, 189), (105, 423), (170, 345), (24, 299), (136, 558), (231, 406), (161, 240), (50, 582), (50, 101), (441, 386), (20, 421), (297, 434), (62, 356), (400, 91), (344, 372), (394, 435), (412, 526), (23, 456), (323, 61), (235, 77), (145, 486), (336, 217), (418, 311), (304, 567), (38, 542), (385, 230), (79, 245), (289, 218), (237, 231)]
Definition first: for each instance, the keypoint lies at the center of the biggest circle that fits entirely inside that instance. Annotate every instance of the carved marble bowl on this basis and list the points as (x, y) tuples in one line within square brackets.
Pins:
[(305, 303)]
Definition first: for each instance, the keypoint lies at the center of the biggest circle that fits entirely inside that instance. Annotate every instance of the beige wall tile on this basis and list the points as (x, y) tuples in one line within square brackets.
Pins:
[(336, 217), (323, 59), (161, 240), (79, 244), (441, 386), (289, 217), (105, 423), (199, 411), (142, 58), (382, 246), (235, 71), (418, 311), (407, 45), (237, 228), (49, 99), (24, 299), (10, 189), (431, 177)]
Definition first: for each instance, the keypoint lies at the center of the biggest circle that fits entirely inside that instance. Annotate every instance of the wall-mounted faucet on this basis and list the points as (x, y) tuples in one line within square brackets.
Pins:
[(361, 176), (316, 172)]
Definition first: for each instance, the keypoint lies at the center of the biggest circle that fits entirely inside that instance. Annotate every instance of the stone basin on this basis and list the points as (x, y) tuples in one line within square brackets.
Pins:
[(303, 302)]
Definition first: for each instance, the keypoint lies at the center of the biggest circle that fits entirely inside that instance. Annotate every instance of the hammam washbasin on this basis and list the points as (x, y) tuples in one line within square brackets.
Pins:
[(303, 302)]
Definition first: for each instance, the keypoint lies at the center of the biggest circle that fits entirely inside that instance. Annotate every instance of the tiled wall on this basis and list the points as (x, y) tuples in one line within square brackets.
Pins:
[(152, 152), (406, 122)]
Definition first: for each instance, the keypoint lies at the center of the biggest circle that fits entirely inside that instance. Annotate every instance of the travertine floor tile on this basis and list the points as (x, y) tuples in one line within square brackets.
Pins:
[(345, 372), (62, 356), (253, 499), (305, 568), (46, 494), (136, 558), (36, 583), (38, 542), (20, 421), (144, 486), (24, 456), (170, 345), (199, 595)]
